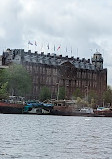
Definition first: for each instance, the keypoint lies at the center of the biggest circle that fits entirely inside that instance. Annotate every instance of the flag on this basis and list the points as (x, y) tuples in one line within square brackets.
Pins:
[(71, 50), (54, 47), (48, 46), (30, 43), (35, 43), (58, 48)]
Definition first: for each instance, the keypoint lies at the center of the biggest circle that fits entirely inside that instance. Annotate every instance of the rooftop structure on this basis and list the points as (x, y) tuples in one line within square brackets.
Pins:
[(19, 55)]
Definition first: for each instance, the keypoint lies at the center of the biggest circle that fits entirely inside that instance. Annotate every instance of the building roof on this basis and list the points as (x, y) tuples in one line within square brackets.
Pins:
[(49, 59)]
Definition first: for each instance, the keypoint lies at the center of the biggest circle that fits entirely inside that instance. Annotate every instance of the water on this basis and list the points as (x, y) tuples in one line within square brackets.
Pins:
[(55, 137)]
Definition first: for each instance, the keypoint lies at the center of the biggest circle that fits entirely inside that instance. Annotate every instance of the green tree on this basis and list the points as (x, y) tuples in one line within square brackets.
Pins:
[(93, 103), (92, 96), (3, 86), (61, 93), (44, 94), (3, 91), (18, 79), (107, 95), (2, 71), (77, 93), (81, 103)]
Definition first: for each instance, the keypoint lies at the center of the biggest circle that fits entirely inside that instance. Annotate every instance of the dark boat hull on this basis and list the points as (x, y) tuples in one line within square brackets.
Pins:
[(104, 113), (69, 111), (62, 113), (10, 110)]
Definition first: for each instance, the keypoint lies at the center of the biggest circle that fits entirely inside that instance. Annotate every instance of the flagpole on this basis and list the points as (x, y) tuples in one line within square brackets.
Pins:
[(77, 52), (48, 47), (29, 43), (41, 47), (54, 48), (59, 48), (60, 51), (66, 49), (71, 51)]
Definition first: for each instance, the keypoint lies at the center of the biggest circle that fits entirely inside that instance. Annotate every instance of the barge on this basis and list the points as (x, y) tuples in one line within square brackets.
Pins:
[(104, 112), (38, 108), (11, 108), (70, 108)]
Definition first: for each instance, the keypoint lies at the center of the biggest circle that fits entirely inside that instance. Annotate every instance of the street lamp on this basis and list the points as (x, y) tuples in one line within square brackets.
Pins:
[(66, 90), (86, 94), (57, 91), (103, 103)]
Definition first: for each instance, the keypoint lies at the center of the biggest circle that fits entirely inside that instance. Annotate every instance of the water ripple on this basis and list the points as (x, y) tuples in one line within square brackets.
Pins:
[(55, 137)]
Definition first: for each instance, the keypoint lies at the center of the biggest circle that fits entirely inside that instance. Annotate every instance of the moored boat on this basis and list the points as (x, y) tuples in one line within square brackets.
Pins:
[(39, 108), (104, 112), (11, 108), (12, 105), (70, 108)]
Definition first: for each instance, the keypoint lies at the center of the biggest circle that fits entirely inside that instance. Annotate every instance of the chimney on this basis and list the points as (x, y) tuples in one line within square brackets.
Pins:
[(36, 52), (48, 54), (77, 58), (88, 60), (29, 51), (42, 53)]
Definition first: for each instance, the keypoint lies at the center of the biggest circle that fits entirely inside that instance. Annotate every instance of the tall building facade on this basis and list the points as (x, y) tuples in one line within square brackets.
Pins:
[(56, 71)]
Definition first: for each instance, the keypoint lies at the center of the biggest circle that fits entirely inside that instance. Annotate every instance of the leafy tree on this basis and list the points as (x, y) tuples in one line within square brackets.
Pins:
[(44, 94), (18, 79), (93, 104), (1, 76), (61, 93), (3, 91), (81, 103), (107, 96), (3, 86), (92, 97), (77, 93)]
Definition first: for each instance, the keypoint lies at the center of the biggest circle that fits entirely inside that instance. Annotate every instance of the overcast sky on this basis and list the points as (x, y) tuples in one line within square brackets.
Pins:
[(81, 25)]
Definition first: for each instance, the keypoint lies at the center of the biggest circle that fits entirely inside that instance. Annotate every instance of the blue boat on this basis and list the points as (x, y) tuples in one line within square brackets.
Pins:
[(37, 108)]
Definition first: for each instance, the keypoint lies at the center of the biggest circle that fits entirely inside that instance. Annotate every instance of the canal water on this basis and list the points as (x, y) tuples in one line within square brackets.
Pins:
[(55, 137)]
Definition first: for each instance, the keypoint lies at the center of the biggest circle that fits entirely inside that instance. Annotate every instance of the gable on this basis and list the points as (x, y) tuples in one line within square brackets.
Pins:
[(67, 63)]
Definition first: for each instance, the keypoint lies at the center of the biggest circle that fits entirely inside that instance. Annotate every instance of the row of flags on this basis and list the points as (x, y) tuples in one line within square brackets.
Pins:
[(30, 43)]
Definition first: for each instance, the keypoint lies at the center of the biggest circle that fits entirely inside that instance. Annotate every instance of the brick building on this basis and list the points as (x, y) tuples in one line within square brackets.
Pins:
[(56, 71)]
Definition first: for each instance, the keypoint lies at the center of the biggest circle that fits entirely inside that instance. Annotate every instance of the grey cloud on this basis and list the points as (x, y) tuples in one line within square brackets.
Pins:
[(84, 24)]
